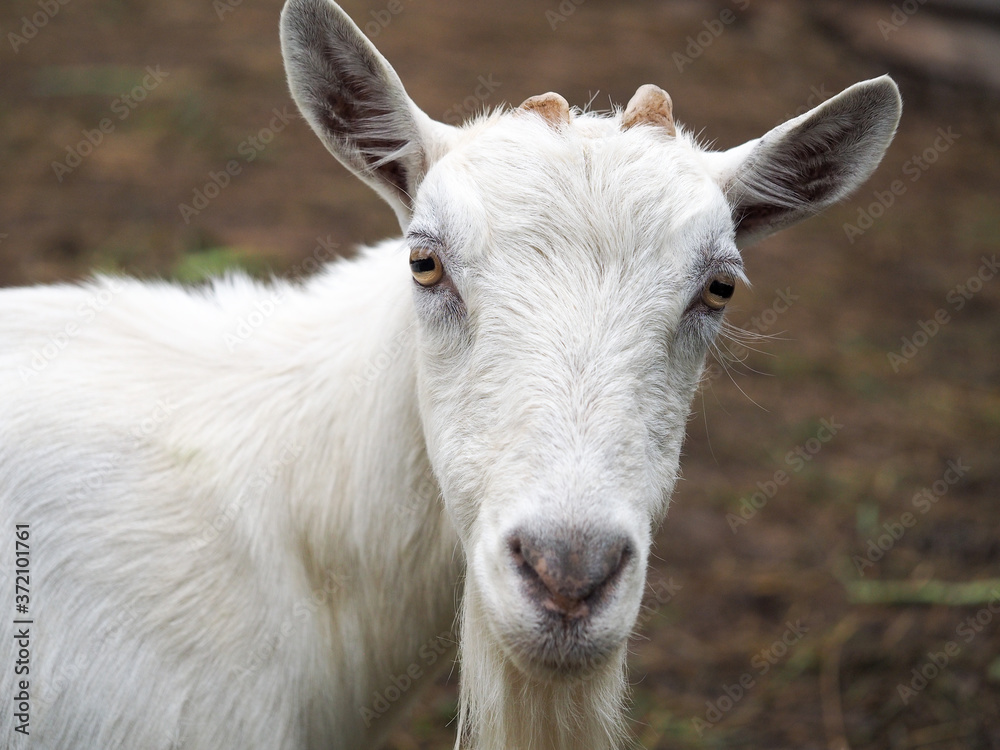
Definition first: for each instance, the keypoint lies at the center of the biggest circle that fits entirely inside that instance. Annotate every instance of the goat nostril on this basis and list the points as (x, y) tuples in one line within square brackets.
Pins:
[(514, 545), (622, 558)]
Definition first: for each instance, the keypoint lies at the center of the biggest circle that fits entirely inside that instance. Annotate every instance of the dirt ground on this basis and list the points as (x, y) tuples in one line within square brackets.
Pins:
[(836, 532)]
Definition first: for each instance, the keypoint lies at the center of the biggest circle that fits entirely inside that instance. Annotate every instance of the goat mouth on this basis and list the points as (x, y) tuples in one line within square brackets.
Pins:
[(554, 647), (562, 650)]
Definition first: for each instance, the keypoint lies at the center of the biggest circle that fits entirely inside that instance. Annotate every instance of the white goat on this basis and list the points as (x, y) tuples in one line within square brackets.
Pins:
[(268, 547)]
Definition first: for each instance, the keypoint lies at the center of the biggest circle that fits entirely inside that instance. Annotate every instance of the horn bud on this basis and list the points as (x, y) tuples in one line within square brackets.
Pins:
[(553, 108), (650, 105)]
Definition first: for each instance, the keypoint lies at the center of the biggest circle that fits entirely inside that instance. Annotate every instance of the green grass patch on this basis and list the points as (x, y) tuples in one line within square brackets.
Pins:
[(213, 262)]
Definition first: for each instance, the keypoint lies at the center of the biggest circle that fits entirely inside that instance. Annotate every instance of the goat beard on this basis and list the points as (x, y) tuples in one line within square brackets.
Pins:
[(502, 708)]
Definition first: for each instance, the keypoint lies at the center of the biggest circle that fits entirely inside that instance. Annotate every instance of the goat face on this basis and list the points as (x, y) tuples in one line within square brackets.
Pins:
[(569, 274), (566, 290)]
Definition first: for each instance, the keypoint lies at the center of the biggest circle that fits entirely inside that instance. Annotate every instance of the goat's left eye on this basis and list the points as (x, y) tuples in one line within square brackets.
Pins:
[(718, 292), (426, 266)]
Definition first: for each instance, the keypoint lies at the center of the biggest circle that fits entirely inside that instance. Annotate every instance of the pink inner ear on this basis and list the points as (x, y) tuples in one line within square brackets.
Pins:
[(650, 105), (551, 106)]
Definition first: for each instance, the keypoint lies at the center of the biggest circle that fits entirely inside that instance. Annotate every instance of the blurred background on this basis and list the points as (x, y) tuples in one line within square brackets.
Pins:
[(829, 572)]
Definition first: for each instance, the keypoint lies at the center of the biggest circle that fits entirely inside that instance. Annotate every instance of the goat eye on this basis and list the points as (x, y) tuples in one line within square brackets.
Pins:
[(718, 292), (426, 267)]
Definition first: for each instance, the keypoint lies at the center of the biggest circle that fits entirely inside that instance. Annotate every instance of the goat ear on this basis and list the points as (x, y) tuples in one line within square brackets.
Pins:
[(355, 102), (801, 167)]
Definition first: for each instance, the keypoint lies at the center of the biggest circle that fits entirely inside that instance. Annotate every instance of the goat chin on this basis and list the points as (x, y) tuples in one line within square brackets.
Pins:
[(504, 705)]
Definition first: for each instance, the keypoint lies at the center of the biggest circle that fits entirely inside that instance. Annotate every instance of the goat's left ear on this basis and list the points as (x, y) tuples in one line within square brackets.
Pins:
[(356, 103), (801, 167)]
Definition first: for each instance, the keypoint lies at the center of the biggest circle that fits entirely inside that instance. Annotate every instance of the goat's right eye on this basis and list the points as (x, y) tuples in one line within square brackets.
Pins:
[(426, 266)]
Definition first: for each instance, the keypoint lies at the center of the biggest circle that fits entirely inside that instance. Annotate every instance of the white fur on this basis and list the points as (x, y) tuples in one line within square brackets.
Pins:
[(238, 544)]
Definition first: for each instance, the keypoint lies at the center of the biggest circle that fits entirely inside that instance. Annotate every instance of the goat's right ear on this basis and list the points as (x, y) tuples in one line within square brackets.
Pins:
[(356, 103)]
